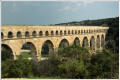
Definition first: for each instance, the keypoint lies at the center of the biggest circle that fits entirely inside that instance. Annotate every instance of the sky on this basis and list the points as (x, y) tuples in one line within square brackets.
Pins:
[(54, 12)]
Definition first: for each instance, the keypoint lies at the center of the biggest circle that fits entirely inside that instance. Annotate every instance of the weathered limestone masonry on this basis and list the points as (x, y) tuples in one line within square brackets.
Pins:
[(16, 36)]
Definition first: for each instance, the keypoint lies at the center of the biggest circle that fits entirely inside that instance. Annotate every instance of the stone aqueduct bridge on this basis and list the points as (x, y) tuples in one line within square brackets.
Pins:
[(16, 36)]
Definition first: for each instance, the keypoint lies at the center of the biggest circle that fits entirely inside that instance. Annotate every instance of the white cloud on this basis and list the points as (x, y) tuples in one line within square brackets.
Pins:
[(70, 6), (91, 1), (78, 3), (66, 8), (85, 2)]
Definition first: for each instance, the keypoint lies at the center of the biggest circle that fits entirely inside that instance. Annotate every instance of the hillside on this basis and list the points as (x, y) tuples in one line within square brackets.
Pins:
[(98, 22)]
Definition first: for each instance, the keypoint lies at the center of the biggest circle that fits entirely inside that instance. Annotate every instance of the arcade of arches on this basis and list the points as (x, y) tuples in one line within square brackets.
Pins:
[(40, 43)]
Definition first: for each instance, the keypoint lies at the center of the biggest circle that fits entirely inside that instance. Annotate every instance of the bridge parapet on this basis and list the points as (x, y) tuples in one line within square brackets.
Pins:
[(13, 32)]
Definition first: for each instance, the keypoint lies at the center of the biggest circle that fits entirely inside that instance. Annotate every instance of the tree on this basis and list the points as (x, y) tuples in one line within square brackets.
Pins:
[(76, 52), (104, 65), (73, 69), (16, 68), (104, 25)]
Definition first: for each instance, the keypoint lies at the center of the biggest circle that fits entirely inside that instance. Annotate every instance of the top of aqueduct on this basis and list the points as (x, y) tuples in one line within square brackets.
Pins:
[(13, 27), (49, 30)]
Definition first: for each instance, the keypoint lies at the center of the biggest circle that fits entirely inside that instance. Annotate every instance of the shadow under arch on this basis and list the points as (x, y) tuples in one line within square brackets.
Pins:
[(10, 34), (76, 41), (63, 44), (85, 42), (102, 41), (92, 42), (27, 34), (98, 41), (47, 48), (6, 52), (28, 51), (2, 35), (19, 34)]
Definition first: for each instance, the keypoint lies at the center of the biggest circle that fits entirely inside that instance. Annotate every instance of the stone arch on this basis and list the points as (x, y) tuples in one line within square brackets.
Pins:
[(98, 41), (46, 33), (47, 48), (72, 32), (2, 35), (40, 33), (87, 31), (94, 30), (6, 52), (91, 31), (92, 42), (61, 32), (75, 31), (27, 34), (63, 43), (52, 33), (68, 31), (81, 31), (34, 33), (10, 34), (102, 40), (85, 42), (77, 41), (84, 31), (65, 32), (78, 31), (29, 48), (56, 32), (19, 34)]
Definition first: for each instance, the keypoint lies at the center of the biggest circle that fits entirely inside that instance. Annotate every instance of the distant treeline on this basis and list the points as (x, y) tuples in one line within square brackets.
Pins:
[(98, 22)]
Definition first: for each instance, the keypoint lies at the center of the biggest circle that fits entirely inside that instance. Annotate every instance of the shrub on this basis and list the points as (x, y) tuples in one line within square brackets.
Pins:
[(76, 52), (73, 69), (104, 65), (16, 68), (48, 67)]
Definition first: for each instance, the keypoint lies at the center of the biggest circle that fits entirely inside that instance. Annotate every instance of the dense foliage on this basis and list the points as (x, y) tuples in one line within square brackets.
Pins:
[(16, 68), (74, 62)]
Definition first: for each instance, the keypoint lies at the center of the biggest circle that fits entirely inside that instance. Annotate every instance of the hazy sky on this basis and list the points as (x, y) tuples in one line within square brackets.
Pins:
[(41, 13)]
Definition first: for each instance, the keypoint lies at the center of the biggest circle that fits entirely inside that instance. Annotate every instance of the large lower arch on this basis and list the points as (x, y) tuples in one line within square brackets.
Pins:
[(47, 48), (28, 51), (102, 40), (77, 41), (6, 52), (85, 42), (64, 43), (92, 42), (98, 41)]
